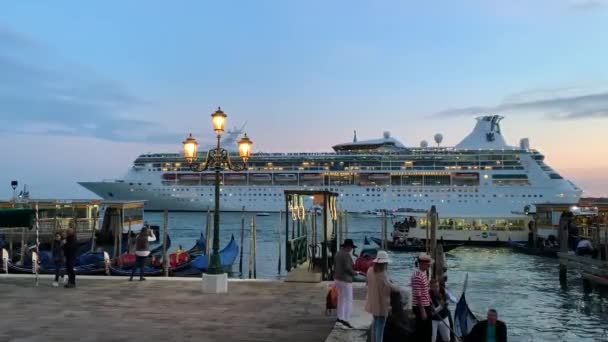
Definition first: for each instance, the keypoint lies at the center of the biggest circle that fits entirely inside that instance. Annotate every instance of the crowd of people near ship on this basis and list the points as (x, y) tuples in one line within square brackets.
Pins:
[(385, 302)]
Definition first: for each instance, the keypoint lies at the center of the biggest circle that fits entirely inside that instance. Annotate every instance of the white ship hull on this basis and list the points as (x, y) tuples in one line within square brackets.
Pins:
[(449, 201)]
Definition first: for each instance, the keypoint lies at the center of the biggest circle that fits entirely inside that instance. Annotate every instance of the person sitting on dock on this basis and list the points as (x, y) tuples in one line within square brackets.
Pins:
[(490, 330), (343, 275), (584, 247)]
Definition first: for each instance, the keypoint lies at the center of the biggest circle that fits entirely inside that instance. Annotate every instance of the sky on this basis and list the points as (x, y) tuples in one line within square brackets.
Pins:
[(87, 87)]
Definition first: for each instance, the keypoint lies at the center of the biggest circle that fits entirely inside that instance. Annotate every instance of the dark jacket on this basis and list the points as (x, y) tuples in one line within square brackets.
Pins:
[(58, 251), (70, 247), (343, 267), (441, 310), (141, 243), (478, 334)]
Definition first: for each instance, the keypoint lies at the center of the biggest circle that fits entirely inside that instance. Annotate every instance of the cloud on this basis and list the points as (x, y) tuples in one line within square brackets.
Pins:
[(558, 104), (588, 5), (41, 93)]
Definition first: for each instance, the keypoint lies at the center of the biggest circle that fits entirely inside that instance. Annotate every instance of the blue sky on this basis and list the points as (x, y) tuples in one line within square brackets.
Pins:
[(85, 88)]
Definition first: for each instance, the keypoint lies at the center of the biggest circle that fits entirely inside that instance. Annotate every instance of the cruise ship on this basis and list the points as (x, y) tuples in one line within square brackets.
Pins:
[(480, 177)]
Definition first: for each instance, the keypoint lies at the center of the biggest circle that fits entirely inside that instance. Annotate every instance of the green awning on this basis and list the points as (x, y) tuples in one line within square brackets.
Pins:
[(15, 218)]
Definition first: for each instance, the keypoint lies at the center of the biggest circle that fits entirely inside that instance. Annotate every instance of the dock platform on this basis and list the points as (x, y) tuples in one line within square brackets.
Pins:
[(161, 310)]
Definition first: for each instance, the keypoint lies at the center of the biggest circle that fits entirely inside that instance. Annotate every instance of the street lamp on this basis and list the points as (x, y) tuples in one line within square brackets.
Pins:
[(217, 159)]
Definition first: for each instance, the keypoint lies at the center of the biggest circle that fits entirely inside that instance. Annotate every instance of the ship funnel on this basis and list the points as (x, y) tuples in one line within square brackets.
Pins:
[(524, 144), (486, 135)]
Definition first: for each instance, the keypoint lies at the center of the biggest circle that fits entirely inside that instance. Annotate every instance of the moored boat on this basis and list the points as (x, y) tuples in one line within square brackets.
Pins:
[(227, 257), (522, 247)]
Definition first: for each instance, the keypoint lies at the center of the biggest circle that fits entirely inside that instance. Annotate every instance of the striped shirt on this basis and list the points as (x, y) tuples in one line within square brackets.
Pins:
[(420, 289)]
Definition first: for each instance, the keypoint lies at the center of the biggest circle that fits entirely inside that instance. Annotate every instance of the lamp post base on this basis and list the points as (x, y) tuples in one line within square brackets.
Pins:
[(215, 283)]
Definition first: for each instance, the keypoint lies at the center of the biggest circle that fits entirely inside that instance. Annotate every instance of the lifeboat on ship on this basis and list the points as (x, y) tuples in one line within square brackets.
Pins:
[(311, 176), (466, 175), (169, 176), (236, 177), (190, 177), (260, 177), (286, 177), (379, 176), (208, 177)]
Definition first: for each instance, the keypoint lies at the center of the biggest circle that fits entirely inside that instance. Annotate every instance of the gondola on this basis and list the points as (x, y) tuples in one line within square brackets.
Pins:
[(183, 262), (414, 247), (89, 263), (464, 319), (522, 247), (227, 257), (128, 262)]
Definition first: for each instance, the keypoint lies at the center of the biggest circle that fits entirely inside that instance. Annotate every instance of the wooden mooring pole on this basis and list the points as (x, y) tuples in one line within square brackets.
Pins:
[(165, 234), (208, 235), (384, 230), (279, 239), (252, 245), (563, 231), (23, 248), (242, 242), (345, 213)]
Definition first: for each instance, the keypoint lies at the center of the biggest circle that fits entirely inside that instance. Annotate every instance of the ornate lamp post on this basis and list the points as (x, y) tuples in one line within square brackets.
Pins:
[(217, 159)]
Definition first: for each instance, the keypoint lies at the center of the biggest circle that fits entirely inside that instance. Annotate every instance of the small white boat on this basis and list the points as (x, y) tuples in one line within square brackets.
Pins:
[(378, 213), (262, 214)]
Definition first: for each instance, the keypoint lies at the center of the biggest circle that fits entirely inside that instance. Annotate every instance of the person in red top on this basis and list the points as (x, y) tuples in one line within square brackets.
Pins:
[(421, 300)]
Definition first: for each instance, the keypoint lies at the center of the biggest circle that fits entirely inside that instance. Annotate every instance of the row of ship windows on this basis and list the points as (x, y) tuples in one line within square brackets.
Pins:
[(357, 200), (378, 189), (369, 195)]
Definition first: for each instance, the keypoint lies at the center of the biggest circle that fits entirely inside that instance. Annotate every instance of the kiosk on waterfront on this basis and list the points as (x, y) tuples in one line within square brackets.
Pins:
[(298, 247)]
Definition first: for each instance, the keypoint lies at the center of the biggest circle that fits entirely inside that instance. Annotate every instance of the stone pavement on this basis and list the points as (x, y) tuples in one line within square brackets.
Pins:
[(154, 310)]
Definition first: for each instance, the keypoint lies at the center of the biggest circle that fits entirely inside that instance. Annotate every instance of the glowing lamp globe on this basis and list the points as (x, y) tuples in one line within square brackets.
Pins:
[(218, 118), (190, 148), (245, 147)]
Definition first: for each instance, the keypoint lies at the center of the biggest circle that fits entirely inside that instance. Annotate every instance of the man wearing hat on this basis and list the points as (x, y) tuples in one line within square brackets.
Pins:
[(421, 299), (343, 275)]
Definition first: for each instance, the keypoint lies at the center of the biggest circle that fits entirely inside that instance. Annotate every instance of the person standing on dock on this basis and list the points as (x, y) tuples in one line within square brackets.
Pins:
[(58, 258), (441, 313), (343, 275), (378, 298), (69, 250), (142, 251), (421, 300)]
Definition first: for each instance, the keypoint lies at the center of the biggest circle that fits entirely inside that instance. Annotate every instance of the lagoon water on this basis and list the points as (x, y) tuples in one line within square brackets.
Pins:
[(524, 289)]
